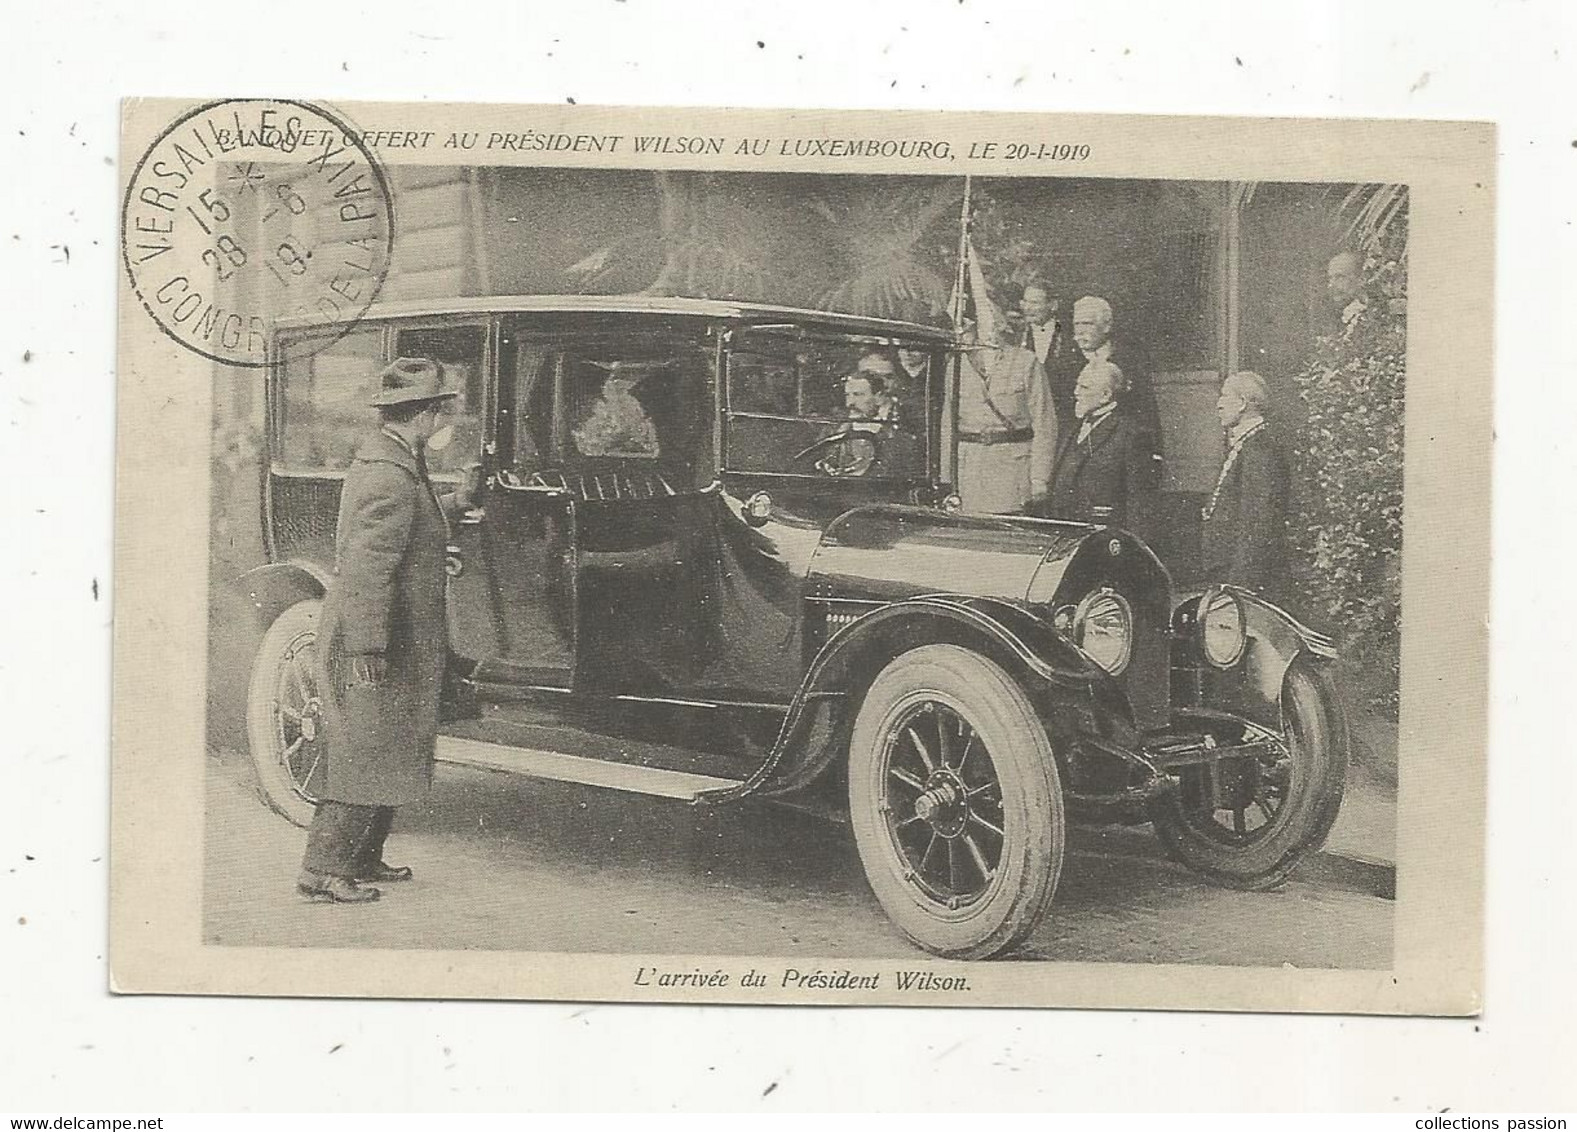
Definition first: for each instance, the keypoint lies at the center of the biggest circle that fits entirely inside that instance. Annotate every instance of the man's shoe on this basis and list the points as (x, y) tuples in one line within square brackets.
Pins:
[(337, 890), (385, 874)]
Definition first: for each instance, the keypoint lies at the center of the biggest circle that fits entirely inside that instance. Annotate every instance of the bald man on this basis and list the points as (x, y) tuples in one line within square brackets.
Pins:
[(1092, 337), (1245, 522)]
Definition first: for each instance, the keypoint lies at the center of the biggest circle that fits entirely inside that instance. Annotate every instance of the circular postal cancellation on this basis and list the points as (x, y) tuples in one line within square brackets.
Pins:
[(247, 211)]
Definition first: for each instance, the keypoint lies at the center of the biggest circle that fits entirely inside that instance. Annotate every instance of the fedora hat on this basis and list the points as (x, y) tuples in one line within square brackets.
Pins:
[(406, 380)]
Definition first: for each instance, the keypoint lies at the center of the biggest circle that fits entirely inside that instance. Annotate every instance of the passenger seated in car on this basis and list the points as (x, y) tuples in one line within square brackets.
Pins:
[(617, 424), (871, 392)]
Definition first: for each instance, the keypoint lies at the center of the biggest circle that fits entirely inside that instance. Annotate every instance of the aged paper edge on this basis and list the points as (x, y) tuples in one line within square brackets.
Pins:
[(162, 532)]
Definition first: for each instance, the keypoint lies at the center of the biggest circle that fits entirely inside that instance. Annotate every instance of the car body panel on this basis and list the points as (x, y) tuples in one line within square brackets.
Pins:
[(688, 308), (273, 588), (576, 590)]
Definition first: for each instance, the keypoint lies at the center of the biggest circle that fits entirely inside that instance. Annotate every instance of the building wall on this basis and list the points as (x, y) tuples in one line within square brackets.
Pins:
[(1288, 233), (439, 249)]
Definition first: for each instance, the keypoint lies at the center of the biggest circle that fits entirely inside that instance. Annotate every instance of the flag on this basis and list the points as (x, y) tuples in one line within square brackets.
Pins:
[(974, 303)]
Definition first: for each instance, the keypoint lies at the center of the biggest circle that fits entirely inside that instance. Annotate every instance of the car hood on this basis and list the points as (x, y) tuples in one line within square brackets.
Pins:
[(887, 553)]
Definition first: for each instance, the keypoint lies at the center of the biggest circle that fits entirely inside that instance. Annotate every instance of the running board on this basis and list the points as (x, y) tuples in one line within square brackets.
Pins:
[(650, 780)]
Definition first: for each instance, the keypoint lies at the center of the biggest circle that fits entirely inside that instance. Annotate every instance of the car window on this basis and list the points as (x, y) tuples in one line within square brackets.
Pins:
[(827, 408), (604, 415), (459, 349), (635, 403), (323, 409)]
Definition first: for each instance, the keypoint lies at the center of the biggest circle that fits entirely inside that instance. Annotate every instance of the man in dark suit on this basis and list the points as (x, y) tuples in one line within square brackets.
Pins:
[(1042, 332), (1092, 342), (1244, 533), (1104, 471), (383, 639)]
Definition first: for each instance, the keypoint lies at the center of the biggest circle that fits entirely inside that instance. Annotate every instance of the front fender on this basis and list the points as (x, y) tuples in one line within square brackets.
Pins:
[(815, 730), (242, 611), (272, 589), (1252, 687)]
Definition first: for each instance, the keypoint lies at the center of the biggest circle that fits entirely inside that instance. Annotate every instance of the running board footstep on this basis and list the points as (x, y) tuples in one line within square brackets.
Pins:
[(649, 780)]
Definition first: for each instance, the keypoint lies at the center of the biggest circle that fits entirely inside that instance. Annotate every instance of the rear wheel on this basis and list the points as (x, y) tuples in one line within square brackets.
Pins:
[(1248, 823), (284, 714), (955, 802)]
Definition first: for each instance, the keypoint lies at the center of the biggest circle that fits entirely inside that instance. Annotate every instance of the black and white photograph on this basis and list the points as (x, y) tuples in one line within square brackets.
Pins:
[(819, 590), (871, 582)]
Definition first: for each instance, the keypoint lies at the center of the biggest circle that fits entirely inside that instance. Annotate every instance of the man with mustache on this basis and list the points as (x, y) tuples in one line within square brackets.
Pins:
[(1104, 470), (1093, 342), (1244, 533)]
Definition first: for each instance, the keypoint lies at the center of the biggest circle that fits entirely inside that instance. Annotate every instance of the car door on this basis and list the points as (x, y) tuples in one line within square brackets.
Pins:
[(627, 441), (512, 585), (591, 563)]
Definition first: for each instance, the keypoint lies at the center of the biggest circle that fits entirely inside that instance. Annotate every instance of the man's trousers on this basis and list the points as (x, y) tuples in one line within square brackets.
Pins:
[(346, 840)]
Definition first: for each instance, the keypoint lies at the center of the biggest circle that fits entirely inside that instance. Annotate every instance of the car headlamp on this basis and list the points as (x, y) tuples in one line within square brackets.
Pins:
[(1223, 632), (1103, 628), (757, 509)]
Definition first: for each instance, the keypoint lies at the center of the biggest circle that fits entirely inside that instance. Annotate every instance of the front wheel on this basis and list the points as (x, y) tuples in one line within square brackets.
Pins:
[(1248, 823), (284, 714), (955, 802)]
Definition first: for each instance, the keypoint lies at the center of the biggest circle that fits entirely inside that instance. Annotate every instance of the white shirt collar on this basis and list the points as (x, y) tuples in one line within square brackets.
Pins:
[(1096, 416)]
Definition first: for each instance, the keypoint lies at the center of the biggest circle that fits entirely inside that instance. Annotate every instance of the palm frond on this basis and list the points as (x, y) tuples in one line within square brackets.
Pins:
[(893, 269), (1373, 213)]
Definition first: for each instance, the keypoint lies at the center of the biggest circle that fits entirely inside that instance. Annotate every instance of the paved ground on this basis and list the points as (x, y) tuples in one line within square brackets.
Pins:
[(1365, 829), (514, 864)]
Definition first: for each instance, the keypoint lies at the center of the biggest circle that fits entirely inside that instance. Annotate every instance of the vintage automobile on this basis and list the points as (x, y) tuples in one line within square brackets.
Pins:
[(691, 575)]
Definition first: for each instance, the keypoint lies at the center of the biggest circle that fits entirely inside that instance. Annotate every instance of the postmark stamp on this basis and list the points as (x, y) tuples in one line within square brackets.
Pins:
[(245, 211)]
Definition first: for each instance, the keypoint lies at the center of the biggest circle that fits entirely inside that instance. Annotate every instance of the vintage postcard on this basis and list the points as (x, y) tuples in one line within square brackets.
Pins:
[(801, 557)]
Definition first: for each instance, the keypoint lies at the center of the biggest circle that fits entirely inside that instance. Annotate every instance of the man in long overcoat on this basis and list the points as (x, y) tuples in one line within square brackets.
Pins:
[(1244, 533), (1105, 470), (383, 640)]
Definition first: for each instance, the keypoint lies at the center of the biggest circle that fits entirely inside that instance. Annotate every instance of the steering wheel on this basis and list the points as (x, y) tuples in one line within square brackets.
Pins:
[(857, 450)]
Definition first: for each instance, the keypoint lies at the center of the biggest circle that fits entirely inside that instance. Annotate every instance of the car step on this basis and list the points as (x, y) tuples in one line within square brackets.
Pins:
[(559, 767)]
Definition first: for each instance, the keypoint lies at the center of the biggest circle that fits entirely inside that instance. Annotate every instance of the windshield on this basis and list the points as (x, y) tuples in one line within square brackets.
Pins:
[(831, 408)]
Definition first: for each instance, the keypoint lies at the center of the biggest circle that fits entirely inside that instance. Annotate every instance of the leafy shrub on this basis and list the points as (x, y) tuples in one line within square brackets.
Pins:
[(1348, 508)]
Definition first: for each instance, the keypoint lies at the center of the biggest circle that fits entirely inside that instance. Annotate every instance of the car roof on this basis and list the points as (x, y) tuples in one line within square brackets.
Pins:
[(756, 313)]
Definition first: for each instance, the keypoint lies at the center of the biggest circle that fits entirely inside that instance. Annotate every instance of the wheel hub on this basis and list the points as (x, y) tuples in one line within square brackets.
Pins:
[(944, 804), (310, 713)]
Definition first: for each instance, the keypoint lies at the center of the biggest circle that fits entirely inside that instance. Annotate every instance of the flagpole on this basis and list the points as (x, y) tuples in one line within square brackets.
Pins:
[(963, 256)]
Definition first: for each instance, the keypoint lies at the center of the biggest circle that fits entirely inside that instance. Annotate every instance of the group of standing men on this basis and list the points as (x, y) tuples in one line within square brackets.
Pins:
[(1058, 422)]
